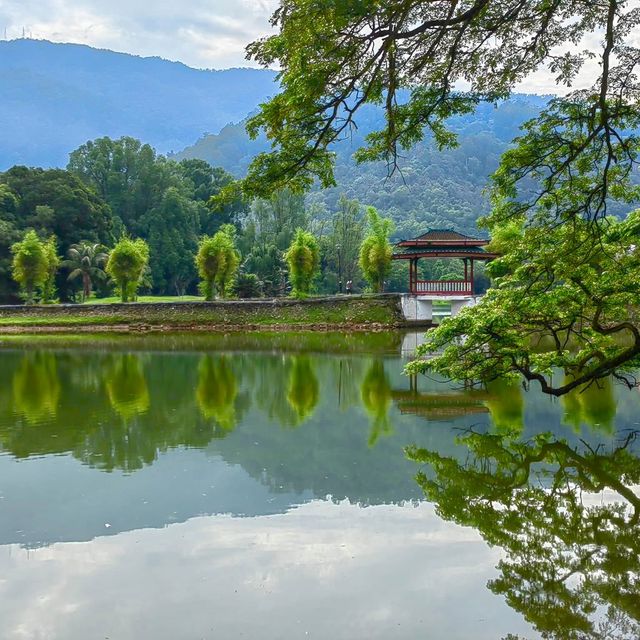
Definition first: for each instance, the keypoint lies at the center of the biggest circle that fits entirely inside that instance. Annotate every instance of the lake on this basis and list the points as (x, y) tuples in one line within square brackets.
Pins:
[(301, 486)]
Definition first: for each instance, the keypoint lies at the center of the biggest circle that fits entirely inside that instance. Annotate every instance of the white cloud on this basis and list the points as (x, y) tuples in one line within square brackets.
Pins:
[(200, 33), (319, 571)]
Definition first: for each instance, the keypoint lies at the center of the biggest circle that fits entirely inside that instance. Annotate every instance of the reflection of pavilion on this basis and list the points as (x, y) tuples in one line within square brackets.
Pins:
[(440, 406)]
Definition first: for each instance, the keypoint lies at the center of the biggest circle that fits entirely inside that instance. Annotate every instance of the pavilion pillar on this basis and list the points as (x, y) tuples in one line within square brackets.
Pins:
[(412, 278), (471, 276)]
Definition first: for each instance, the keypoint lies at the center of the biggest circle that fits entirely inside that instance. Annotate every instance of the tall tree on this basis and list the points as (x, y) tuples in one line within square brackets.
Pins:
[(30, 264), (376, 251), (344, 240), (303, 258), (217, 261), (129, 176), (126, 264), (86, 260), (55, 202), (172, 229), (570, 164), (53, 263)]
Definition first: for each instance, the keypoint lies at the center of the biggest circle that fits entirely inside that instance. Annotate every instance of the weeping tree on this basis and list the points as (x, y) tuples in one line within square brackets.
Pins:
[(126, 265), (376, 251), (53, 263), (86, 261), (31, 264), (303, 258), (572, 167), (217, 261)]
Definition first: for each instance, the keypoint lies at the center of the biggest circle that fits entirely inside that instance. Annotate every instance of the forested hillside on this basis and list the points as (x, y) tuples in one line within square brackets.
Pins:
[(57, 96), (433, 188)]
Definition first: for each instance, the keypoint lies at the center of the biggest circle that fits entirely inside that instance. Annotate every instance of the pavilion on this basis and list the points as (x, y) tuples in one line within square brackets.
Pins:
[(442, 243)]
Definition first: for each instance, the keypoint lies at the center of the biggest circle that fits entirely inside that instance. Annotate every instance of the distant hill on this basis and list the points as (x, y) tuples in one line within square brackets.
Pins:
[(441, 189), (57, 96)]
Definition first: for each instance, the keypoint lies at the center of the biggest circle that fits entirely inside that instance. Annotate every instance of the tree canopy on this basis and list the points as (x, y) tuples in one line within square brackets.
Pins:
[(376, 251), (126, 264), (562, 175), (303, 258)]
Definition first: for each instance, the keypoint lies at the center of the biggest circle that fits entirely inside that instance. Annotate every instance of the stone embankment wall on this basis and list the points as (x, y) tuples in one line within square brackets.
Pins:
[(358, 311)]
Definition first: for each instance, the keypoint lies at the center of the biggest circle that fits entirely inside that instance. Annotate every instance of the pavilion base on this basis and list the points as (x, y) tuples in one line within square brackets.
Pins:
[(420, 308)]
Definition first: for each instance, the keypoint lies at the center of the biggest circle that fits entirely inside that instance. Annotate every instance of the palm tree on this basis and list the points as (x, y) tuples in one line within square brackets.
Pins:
[(86, 260)]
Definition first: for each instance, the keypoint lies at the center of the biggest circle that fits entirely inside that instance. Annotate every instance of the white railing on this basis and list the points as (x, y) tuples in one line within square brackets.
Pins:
[(442, 287)]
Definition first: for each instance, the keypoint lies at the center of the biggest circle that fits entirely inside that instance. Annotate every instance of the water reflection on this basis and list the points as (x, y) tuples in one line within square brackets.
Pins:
[(304, 390), (593, 405), (567, 517), (217, 391), (214, 431), (376, 399), (126, 386), (36, 388)]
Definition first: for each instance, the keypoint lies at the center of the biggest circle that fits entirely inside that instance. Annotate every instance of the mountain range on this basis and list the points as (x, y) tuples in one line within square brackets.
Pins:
[(55, 97), (58, 96)]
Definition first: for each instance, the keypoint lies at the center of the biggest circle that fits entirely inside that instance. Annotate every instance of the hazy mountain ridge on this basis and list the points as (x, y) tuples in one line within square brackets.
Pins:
[(58, 96), (434, 188)]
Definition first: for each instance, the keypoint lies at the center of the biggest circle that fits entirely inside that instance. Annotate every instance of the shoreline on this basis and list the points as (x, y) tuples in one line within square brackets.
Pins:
[(357, 313)]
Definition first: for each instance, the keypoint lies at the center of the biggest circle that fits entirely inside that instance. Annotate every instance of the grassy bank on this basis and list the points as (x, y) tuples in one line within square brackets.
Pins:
[(356, 312), (301, 341)]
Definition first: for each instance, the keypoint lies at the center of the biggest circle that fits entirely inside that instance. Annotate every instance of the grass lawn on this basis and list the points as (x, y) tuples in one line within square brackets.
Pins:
[(113, 299)]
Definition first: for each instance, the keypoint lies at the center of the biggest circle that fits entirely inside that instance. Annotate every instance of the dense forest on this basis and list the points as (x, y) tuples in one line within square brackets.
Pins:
[(432, 189), (122, 188)]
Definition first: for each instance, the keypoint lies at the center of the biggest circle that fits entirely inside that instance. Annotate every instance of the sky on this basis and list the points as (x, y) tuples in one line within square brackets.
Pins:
[(199, 33)]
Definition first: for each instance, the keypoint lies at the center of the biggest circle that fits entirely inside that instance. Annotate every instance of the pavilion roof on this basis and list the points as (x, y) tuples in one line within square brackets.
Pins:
[(426, 251), (443, 238)]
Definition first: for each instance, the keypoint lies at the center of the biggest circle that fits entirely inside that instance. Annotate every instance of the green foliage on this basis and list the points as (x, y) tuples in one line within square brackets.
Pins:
[(30, 267), (126, 386), (172, 231), (376, 399), (341, 246), (564, 296), (53, 203), (217, 391), (36, 388), (248, 286), (569, 565), (376, 251), (56, 202), (161, 201), (304, 390), (86, 260), (53, 263), (408, 57), (126, 264), (217, 261), (268, 230), (303, 258)]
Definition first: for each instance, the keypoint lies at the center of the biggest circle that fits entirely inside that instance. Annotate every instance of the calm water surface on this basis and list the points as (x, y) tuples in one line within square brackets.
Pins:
[(303, 487)]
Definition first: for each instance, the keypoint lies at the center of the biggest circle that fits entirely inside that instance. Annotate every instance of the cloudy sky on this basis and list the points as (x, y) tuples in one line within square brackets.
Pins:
[(200, 33)]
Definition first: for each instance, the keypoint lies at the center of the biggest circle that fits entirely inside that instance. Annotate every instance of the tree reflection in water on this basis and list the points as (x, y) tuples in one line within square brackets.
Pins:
[(506, 405), (217, 391), (376, 399), (572, 564), (36, 389), (126, 386), (304, 390), (593, 405)]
